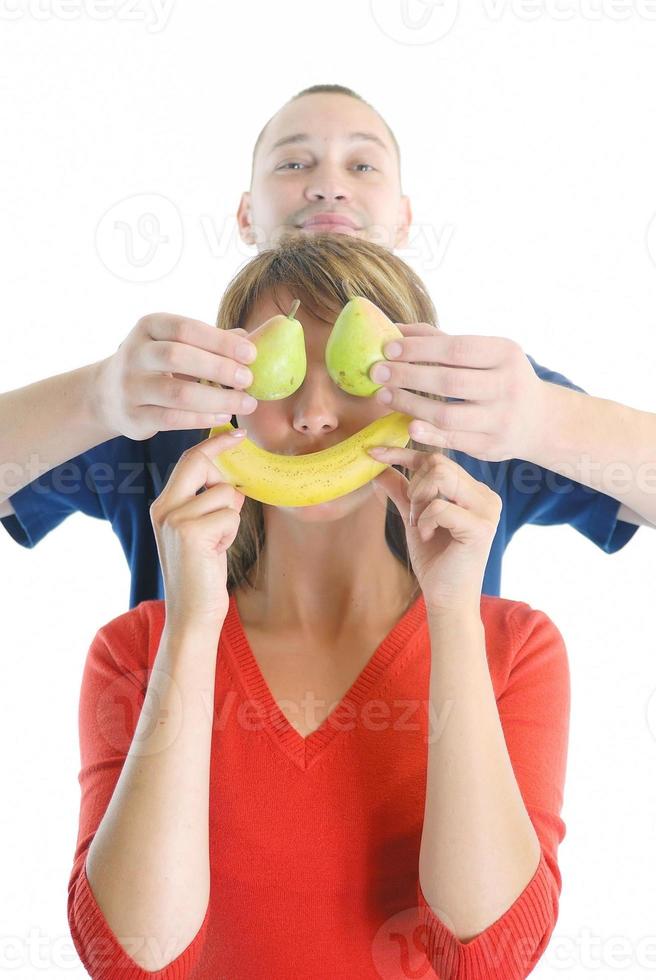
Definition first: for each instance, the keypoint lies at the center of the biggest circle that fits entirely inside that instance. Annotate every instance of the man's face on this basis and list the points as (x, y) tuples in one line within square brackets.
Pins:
[(329, 167)]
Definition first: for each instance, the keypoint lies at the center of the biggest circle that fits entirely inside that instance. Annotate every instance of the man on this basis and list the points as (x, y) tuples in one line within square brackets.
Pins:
[(109, 434)]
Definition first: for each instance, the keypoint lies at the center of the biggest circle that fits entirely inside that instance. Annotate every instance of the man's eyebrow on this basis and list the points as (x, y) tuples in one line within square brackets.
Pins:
[(352, 137)]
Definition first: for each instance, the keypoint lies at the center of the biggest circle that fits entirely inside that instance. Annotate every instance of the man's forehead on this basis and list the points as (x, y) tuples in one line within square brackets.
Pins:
[(359, 136), (347, 122)]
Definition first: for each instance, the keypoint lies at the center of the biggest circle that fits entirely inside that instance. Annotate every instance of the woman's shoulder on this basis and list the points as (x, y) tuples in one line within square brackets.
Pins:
[(510, 613), (134, 635), (517, 633)]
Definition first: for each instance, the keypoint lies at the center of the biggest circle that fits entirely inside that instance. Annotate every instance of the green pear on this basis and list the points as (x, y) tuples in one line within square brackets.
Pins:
[(281, 363), (356, 342)]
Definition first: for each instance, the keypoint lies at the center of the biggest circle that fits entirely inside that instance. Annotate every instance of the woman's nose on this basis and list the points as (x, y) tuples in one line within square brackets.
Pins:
[(316, 407)]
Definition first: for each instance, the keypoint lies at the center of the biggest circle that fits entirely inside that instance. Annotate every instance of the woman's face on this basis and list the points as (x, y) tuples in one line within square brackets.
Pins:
[(317, 415)]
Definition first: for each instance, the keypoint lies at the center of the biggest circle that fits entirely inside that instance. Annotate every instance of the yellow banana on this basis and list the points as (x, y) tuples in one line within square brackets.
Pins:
[(312, 478)]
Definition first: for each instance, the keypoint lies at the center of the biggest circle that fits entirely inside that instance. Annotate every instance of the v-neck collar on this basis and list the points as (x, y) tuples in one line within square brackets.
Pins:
[(302, 750)]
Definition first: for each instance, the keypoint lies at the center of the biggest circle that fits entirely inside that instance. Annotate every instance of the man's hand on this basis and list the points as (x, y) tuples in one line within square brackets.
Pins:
[(151, 384), (503, 409)]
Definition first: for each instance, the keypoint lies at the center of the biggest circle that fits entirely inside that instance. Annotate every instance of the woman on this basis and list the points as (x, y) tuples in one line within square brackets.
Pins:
[(326, 754)]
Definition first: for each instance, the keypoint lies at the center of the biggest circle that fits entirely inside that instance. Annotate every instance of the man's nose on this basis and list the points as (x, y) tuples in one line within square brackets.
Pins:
[(326, 189), (326, 194)]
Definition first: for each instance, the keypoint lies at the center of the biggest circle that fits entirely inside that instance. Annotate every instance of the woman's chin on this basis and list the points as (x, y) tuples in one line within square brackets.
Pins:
[(330, 509)]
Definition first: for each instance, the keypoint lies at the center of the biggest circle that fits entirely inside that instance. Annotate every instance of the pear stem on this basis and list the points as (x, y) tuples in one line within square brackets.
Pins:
[(295, 306)]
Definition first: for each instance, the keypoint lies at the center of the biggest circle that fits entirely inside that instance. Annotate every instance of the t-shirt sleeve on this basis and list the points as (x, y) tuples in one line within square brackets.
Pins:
[(534, 495), (94, 483), (534, 710), (114, 683)]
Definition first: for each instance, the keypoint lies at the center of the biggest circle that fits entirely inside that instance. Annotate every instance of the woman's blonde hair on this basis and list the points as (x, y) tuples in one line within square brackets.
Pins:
[(316, 268)]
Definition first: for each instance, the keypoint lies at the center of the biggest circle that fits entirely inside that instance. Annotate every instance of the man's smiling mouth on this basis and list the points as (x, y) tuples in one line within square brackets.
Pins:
[(330, 219)]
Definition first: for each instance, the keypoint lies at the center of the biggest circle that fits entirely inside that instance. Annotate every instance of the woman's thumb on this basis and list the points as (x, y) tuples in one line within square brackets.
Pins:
[(395, 486)]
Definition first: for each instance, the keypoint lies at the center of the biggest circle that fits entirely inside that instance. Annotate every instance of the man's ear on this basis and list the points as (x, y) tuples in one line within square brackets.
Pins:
[(404, 222), (245, 219)]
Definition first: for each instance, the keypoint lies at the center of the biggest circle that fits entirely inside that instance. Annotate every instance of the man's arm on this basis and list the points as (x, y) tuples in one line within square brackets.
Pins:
[(626, 514), (601, 444), (45, 424), (149, 385)]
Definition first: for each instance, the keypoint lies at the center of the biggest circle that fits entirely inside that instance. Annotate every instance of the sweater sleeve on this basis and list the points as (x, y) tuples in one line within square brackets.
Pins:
[(534, 711), (535, 495), (114, 683)]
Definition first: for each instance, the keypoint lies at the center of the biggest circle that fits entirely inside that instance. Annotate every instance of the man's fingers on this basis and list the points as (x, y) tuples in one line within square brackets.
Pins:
[(417, 329), (195, 333), (182, 360), (190, 396), (175, 420)]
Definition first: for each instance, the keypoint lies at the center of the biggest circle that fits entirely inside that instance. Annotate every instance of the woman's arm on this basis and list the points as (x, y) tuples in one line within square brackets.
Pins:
[(148, 863), (488, 880), (479, 849), (140, 885)]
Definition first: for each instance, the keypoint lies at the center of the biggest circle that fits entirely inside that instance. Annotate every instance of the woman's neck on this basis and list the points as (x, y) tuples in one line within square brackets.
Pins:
[(326, 579)]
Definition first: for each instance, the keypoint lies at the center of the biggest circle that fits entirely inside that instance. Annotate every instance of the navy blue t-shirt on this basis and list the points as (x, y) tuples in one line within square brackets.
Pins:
[(118, 480)]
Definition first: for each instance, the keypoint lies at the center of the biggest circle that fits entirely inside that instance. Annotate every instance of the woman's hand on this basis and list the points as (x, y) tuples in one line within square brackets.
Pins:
[(193, 533), (455, 520), (150, 384)]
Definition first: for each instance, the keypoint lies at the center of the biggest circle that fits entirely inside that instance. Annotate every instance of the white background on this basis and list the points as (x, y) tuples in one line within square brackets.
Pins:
[(528, 137)]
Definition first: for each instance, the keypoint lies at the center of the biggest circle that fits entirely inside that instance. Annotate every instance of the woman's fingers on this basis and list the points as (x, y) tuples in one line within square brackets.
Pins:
[(410, 458), (442, 513), (444, 477), (213, 499), (192, 471), (436, 475)]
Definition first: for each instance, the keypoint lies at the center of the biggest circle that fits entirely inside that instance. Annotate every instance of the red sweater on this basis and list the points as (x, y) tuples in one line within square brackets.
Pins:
[(314, 842)]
